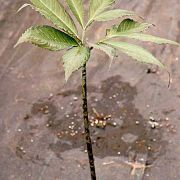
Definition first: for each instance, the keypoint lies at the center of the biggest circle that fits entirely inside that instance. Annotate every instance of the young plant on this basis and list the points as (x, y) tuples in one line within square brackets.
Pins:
[(79, 50)]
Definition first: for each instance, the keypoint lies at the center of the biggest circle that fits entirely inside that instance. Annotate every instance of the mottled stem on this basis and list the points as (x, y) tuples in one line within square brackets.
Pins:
[(87, 125)]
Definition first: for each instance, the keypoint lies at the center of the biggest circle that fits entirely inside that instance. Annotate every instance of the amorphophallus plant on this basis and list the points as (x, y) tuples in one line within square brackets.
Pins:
[(66, 36)]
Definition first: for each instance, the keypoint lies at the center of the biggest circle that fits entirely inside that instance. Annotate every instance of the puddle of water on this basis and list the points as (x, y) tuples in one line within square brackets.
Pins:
[(114, 98)]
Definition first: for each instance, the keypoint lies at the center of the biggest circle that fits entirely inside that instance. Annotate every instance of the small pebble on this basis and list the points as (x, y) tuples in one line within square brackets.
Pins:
[(167, 119), (19, 130), (152, 118), (114, 123), (51, 95), (75, 98)]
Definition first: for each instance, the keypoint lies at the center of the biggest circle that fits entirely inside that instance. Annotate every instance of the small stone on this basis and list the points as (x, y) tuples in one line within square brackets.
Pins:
[(151, 118), (46, 112), (75, 98), (72, 134), (96, 121), (118, 102), (51, 95), (119, 153), (19, 130), (114, 123), (85, 151), (141, 159), (67, 115), (62, 108), (167, 119), (137, 122)]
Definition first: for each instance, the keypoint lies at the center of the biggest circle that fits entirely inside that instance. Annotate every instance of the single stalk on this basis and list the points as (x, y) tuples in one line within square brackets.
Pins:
[(87, 125)]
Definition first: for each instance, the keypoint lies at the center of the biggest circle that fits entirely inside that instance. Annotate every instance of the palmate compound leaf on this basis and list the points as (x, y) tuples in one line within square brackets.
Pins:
[(74, 59), (114, 14), (55, 12), (47, 37), (76, 7), (136, 52), (97, 7)]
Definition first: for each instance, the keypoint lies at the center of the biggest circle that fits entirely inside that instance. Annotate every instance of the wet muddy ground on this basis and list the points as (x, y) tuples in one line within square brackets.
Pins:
[(134, 115)]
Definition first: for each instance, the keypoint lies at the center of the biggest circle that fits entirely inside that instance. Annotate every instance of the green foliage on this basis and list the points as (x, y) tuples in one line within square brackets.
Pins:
[(56, 13), (113, 14), (47, 37), (67, 36), (76, 7), (135, 52), (97, 7), (110, 51), (146, 37), (74, 59), (127, 26)]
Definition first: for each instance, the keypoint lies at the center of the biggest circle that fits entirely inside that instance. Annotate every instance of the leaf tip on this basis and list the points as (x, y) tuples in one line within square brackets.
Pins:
[(24, 6)]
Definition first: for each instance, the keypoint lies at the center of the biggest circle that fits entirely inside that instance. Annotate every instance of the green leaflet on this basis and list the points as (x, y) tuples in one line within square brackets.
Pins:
[(136, 52), (113, 14), (47, 37), (110, 51), (97, 7), (127, 26), (56, 13), (76, 7), (74, 59), (146, 37)]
